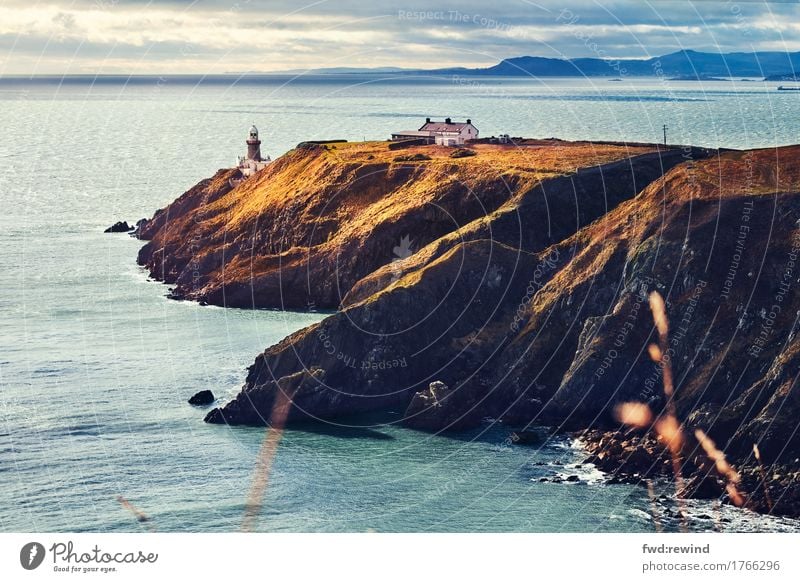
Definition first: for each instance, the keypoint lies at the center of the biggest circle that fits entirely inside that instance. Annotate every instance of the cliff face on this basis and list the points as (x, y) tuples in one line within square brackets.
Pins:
[(719, 240), (378, 353), (514, 284), (305, 230), (529, 330), (449, 311)]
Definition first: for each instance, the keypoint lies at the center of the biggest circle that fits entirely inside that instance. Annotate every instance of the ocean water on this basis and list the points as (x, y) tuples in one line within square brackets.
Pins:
[(96, 364)]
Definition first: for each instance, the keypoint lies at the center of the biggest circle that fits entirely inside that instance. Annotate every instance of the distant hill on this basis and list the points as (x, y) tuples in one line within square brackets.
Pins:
[(784, 77), (683, 64)]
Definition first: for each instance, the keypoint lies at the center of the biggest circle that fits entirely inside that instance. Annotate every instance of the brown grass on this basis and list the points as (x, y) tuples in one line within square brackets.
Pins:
[(723, 467), (668, 428), (301, 176)]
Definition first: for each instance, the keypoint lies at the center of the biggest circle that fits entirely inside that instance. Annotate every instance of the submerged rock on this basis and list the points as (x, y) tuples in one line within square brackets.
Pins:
[(527, 437)]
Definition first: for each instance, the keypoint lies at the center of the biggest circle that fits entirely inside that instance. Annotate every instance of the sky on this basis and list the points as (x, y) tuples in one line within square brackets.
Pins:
[(227, 36)]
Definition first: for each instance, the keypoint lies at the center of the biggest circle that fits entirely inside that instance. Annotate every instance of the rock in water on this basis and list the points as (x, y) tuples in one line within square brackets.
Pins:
[(202, 398), (526, 437), (120, 226)]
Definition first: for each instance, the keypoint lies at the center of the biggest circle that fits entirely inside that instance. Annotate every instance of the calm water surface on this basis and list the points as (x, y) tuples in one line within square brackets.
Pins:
[(96, 364)]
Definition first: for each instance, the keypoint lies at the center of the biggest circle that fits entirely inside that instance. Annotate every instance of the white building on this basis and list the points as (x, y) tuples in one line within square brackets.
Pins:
[(253, 162), (444, 132)]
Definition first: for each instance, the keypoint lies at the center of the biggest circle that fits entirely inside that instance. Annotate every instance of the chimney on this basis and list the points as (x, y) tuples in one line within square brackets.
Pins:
[(427, 120), (448, 121), (469, 121)]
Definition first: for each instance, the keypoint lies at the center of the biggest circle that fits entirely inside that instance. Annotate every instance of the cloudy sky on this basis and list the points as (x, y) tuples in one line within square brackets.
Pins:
[(217, 36)]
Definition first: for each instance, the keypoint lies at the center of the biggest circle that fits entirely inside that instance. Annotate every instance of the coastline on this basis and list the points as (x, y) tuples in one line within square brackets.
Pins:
[(639, 459), (387, 296)]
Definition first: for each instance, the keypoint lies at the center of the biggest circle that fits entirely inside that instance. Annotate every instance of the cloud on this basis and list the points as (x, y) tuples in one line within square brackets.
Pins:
[(209, 36)]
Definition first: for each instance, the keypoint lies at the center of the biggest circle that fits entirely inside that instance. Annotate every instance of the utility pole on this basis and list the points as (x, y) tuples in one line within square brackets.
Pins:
[(665, 134)]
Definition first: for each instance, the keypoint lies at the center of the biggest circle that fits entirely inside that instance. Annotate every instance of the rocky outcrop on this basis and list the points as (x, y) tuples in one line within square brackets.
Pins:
[(635, 458), (316, 221), (524, 294), (377, 354), (202, 398), (445, 313), (719, 240), (139, 227), (545, 215), (121, 226)]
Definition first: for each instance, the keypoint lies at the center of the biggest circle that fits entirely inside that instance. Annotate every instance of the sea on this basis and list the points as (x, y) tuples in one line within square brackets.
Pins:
[(97, 364)]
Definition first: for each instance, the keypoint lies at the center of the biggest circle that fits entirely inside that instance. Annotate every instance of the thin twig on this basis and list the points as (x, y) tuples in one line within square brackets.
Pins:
[(761, 472), (272, 438), (723, 467), (139, 515), (668, 428)]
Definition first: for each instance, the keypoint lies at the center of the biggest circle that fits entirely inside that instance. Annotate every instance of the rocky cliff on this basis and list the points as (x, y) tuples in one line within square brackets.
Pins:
[(319, 219), (524, 294), (456, 309)]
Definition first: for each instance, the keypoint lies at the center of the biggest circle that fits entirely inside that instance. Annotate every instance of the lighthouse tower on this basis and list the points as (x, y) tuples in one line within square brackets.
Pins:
[(253, 145), (252, 162)]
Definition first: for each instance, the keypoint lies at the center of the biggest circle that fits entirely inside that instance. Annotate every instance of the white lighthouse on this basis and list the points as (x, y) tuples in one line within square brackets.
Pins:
[(253, 162)]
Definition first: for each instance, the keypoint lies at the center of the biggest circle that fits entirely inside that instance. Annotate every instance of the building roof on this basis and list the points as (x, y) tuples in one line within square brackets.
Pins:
[(442, 126)]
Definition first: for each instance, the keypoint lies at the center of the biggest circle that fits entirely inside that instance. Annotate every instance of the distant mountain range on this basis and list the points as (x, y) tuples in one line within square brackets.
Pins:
[(684, 65)]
